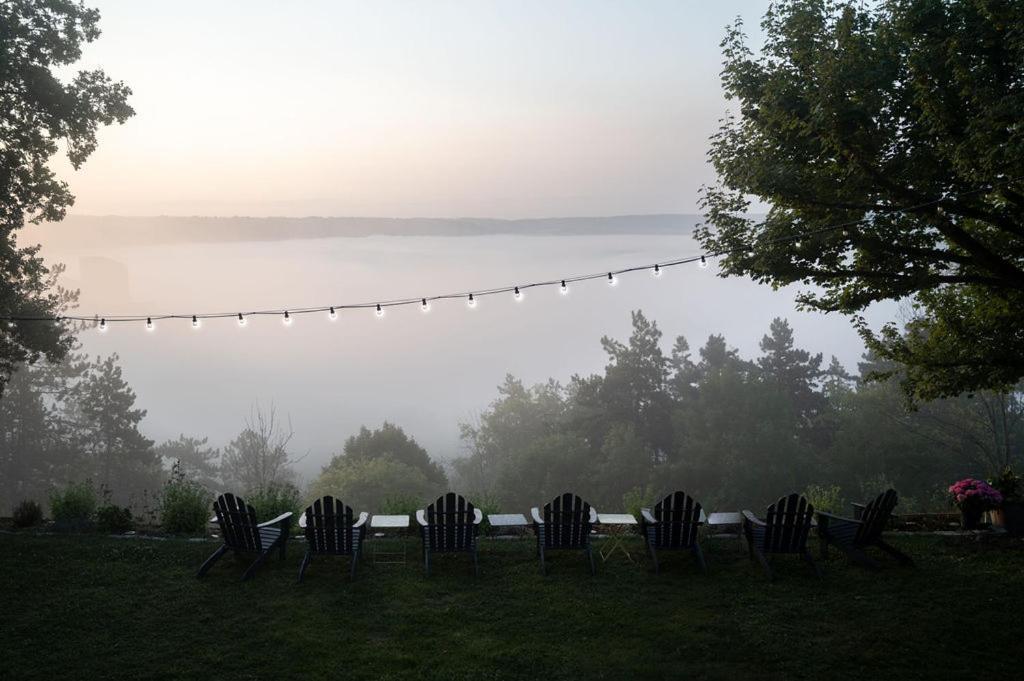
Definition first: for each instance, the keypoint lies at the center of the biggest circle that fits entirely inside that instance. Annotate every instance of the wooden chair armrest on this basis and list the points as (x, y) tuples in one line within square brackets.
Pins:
[(279, 519), (478, 516), (645, 513), (593, 515), (421, 517), (822, 515), (302, 519), (213, 519), (858, 510), (748, 516), (535, 512), (363, 518)]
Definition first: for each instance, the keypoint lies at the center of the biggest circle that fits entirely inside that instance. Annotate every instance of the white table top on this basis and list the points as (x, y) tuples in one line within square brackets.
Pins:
[(616, 519), (389, 521), (507, 519), (732, 518)]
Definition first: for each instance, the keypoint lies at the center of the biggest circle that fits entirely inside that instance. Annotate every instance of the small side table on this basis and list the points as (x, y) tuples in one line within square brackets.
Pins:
[(391, 522), (618, 525)]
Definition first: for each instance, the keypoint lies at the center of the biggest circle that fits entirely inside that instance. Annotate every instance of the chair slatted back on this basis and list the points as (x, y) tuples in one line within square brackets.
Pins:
[(237, 521), (875, 516), (678, 517), (787, 524), (566, 522), (450, 525), (329, 527)]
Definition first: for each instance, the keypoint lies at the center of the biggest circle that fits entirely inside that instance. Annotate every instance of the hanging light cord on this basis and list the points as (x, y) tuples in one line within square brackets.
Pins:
[(379, 305)]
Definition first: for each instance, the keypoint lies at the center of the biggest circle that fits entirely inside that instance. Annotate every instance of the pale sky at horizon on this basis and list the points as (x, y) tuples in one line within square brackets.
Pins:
[(400, 109)]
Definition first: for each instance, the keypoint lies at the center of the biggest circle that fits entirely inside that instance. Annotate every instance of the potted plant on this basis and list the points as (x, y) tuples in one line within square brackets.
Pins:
[(1010, 515), (973, 497)]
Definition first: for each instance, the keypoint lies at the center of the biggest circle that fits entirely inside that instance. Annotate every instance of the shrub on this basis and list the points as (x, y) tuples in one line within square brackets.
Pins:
[(185, 506), (974, 495), (273, 500), (114, 519), (825, 498), (637, 498), (488, 504), (74, 504), (401, 504), (27, 514)]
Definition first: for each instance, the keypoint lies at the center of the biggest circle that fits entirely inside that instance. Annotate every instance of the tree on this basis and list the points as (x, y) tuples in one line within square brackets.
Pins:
[(902, 117), (365, 484), (390, 441), (258, 458), (195, 460), (38, 112)]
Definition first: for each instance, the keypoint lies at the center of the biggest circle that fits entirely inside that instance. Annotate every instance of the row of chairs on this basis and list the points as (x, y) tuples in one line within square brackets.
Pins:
[(451, 525)]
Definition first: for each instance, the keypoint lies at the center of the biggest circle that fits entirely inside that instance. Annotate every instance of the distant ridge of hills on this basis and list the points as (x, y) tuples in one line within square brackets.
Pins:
[(86, 230)]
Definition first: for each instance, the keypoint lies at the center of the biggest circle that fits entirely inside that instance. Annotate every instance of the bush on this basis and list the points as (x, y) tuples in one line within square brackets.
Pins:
[(185, 506), (828, 499), (75, 504), (27, 514), (401, 504), (273, 500), (114, 519), (637, 498)]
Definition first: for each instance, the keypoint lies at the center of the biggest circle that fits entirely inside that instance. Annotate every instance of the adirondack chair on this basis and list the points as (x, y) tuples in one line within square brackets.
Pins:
[(242, 534), (853, 535), (673, 525), (564, 523), (784, 530), (449, 525), (331, 532)]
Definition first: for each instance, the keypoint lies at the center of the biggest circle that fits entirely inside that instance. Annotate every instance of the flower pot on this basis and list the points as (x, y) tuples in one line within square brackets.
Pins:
[(970, 518), (1012, 516)]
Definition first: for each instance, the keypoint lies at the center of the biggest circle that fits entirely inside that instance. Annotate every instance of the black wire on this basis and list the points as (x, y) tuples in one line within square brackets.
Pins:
[(418, 300)]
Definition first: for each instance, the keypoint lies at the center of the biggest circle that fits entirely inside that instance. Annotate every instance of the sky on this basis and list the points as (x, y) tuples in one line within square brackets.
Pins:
[(401, 109)]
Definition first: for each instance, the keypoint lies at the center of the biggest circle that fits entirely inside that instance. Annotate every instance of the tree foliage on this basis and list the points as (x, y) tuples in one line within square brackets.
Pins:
[(40, 113), (904, 117)]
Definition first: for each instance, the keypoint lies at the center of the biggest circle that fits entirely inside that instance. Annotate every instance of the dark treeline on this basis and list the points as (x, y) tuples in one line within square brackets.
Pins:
[(735, 432)]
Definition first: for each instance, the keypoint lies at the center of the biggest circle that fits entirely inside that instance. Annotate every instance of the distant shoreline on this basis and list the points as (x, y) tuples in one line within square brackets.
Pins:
[(86, 230)]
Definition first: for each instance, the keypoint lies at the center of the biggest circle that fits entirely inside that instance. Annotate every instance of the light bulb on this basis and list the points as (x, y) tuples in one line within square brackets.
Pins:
[(657, 270), (103, 324), (703, 262), (195, 322), (517, 294), (611, 279), (471, 301), (241, 319), (424, 305), (332, 314), (380, 310), (149, 324), (287, 318), (564, 290)]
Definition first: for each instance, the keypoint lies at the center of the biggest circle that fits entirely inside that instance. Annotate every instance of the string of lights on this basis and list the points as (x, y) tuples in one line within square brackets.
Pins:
[(380, 307)]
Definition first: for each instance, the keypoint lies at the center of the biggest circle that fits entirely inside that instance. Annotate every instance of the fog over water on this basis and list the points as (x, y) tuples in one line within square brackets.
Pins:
[(425, 372)]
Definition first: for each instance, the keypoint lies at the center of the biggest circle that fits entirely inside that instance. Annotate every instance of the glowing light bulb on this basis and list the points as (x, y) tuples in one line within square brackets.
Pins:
[(611, 279), (103, 325), (241, 319), (517, 294), (380, 310), (332, 314), (564, 290), (703, 262), (471, 301), (424, 305), (657, 270), (195, 322), (287, 318), (149, 324)]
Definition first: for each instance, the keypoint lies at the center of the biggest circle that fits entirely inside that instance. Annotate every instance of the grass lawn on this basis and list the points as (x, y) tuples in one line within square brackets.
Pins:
[(92, 607)]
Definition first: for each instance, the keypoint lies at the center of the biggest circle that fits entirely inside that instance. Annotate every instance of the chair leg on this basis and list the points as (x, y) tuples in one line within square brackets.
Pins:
[(654, 556), (810, 559), (305, 563), (543, 567), (590, 556), (764, 563), (283, 539), (476, 564), (824, 547), (256, 563), (699, 553), (355, 563), (894, 552), (426, 560), (211, 560)]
